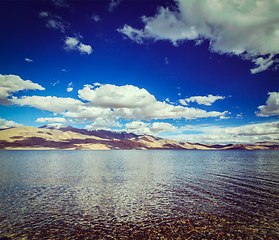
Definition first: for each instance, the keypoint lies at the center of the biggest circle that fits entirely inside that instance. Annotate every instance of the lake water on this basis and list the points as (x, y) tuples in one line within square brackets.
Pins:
[(155, 194)]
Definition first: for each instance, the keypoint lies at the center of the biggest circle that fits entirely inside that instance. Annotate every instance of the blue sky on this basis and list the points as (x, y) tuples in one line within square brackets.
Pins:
[(200, 71)]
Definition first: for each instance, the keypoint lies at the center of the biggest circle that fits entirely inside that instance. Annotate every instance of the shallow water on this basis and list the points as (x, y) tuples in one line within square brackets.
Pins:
[(139, 194)]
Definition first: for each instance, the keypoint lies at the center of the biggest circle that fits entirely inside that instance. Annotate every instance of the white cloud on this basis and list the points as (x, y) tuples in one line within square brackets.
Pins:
[(96, 17), (10, 84), (101, 123), (182, 102), (85, 48), (111, 103), (53, 120), (224, 117), (239, 116), (211, 134), (73, 43), (272, 106), (54, 21), (246, 28), (85, 112), (28, 60), (255, 129), (113, 4), (162, 110), (201, 134), (49, 103), (112, 96), (56, 24), (57, 82), (139, 127), (202, 100), (8, 124), (131, 102), (60, 3), (70, 87), (262, 64), (44, 14), (158, 127)]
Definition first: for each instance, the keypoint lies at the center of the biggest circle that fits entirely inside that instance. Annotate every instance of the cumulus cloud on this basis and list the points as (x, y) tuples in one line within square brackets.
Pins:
[(210, 134), (85, 112), (53, 120), (159, 127), (255, 129), (139, 127), (73, 43), (163, 110), (10, 84), (96, 84), (112, 96), (272, 106), (85, 48), (202, 100), (101, 123), (111, 103), (201, 134), (49, 103), (183, 102), (8, 124), (249, 29), (131, 102)]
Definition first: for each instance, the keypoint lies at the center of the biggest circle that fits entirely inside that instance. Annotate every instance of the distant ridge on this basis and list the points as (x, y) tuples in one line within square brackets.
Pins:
[(97, 133), (70, 138)]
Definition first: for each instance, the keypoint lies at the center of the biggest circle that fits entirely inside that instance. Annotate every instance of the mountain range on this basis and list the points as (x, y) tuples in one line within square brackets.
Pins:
[(70, 138)]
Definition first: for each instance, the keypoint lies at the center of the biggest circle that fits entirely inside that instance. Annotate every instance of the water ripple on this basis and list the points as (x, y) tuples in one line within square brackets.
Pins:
[(139, 194)]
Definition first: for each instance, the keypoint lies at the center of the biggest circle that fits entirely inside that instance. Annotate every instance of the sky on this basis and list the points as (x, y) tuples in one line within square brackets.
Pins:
[(198, 71)]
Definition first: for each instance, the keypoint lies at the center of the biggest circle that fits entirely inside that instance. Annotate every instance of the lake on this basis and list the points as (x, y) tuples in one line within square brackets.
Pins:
[(139, 194)]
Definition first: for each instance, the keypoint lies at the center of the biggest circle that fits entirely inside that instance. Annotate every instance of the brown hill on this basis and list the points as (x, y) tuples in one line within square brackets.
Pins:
[(72, 138)]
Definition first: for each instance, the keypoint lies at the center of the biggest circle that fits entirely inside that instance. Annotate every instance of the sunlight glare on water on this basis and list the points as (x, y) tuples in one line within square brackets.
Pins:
[(139, 194)]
